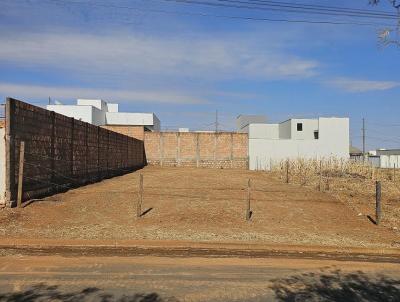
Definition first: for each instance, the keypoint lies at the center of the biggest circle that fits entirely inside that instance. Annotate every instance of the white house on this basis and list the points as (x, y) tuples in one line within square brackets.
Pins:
[(101, 113), (297, 138)]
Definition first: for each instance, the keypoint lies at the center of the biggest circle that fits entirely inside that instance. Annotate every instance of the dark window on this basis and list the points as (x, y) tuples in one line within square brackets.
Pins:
[(299, 126), (316, 134)]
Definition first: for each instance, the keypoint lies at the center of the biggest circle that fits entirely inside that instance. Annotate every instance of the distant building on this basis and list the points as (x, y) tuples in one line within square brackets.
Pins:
[(107, 115), (389, 158), (243, 121), (354, 151), (297, 138)]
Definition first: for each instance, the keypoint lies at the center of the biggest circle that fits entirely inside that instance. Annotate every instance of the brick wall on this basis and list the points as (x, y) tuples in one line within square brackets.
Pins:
[(132, 131), (216, 150), (61, 152)]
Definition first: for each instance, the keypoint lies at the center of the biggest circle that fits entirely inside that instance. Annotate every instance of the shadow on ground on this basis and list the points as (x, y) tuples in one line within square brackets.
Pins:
[(336, 286), (42, 292)]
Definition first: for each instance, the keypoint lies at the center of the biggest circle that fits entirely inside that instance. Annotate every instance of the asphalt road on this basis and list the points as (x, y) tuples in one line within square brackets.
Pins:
[(91, 278)]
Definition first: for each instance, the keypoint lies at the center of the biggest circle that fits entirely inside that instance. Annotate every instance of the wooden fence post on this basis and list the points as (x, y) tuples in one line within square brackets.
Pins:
[(161, 144), (197, 150), (287, 171), (378, 202), (21, 173), (248, 212), (394, 172), (320, 176), (140, 197), (327, 185)]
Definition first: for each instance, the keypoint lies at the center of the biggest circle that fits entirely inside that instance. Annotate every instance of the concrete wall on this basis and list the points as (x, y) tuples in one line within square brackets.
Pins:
[(309, 126), (333, 142), (389, 161), (129, 118), (2, 167), (82, 113), (242, 121), (214, 150), (285, 130), (270, 131)]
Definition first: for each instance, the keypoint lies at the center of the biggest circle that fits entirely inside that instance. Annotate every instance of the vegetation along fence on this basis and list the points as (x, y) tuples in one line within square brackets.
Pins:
[(59, 152)]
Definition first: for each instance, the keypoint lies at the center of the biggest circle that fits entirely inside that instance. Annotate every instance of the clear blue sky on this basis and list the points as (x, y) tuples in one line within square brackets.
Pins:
[(184, 67)]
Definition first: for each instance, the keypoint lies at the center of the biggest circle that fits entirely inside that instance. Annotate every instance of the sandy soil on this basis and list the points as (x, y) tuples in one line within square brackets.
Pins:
[(197, 205)]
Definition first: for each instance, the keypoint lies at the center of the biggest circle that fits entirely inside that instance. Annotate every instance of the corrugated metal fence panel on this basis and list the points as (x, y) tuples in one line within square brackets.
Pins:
[(61, 152)]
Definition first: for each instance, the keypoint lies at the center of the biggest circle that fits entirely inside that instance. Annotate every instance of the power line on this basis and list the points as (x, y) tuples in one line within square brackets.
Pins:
[(322, 6), (283, 8), (302, 6), (384, 125), (245, 18)]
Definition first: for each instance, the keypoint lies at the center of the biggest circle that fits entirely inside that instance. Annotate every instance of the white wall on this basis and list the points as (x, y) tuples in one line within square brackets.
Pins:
[(98, 112), (285, 130), (128, 118), (156, 123), (309, 126), (2, 166), (333, 142), (112, 107), (99, 104), (268, 131), (83, 113), (390, 161), (98, 116)]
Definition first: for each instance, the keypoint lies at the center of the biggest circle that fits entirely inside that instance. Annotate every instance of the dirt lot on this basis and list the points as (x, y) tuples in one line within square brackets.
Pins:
[(198, 205)]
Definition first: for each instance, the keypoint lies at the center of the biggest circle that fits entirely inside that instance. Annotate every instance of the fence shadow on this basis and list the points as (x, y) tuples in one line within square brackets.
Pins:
[(43, 292), (336, 286)]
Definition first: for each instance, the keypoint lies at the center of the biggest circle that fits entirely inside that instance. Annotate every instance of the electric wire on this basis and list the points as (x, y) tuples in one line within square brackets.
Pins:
[(245, 18)]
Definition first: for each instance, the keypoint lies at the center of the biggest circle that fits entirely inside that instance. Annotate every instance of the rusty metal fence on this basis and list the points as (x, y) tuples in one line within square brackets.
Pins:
[(61, 152)]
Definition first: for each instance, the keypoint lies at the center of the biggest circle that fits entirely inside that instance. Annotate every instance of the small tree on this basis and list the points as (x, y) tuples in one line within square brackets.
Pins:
[(390, 36)]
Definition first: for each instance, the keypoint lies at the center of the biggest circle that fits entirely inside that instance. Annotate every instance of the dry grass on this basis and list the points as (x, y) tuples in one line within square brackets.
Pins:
[(350, 182)]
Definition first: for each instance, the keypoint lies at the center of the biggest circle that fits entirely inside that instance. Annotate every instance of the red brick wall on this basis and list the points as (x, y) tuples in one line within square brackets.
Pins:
[(218, 150), (132, 131)]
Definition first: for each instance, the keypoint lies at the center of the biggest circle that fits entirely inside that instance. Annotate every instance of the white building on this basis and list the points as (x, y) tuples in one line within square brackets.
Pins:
[(297, 138), (101, 113), (388, 158)]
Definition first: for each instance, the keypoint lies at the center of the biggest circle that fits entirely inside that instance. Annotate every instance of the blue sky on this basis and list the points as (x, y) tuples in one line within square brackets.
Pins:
[(184, 67)]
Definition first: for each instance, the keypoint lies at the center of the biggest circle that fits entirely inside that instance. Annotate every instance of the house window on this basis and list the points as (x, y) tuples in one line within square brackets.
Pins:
[(299, 126), (316, 134)]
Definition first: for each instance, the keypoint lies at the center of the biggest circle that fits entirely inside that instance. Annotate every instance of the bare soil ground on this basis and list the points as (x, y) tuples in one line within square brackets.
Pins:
[(54, 278), (198, 205)]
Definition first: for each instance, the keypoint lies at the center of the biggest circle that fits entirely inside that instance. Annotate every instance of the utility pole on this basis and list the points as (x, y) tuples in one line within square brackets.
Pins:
[(363, 138)]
